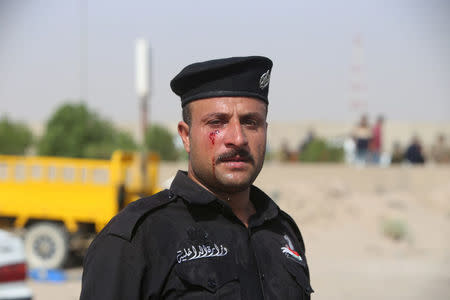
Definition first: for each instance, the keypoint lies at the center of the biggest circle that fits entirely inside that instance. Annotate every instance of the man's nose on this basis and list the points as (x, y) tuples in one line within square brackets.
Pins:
[(235, 135)]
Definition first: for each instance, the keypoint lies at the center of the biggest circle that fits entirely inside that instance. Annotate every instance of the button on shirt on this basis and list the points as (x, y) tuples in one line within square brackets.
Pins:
[(185, 243)]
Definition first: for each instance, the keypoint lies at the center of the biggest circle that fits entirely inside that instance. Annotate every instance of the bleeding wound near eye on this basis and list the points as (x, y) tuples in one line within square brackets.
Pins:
[(213, 135)]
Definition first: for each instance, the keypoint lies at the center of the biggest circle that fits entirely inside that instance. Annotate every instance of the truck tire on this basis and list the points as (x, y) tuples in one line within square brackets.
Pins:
[(46, 245)]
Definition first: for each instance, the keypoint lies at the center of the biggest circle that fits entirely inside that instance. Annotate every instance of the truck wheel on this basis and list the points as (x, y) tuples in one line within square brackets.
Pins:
[(46, 245)]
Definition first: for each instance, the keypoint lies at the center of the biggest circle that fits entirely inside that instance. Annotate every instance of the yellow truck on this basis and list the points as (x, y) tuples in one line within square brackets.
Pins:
[(60, 203)]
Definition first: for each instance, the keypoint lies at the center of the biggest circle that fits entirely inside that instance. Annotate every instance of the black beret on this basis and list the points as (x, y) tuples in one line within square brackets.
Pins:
[(228, 77)]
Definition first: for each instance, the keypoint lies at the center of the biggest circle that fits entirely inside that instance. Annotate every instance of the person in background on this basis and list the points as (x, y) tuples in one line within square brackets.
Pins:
[(440, 151), (362, 136), (397, 153), (310, 136), (285, 153), (414, 152), (375, 146)]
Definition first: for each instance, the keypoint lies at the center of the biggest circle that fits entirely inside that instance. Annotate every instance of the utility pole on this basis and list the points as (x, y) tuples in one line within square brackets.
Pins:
[(142, 90)]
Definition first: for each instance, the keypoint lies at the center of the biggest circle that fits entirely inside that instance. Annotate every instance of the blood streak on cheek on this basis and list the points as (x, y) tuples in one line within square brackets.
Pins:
[(213, 165), (212, 138)]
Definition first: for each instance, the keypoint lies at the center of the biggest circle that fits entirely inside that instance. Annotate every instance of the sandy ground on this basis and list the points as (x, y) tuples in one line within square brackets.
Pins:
[(342, 211)]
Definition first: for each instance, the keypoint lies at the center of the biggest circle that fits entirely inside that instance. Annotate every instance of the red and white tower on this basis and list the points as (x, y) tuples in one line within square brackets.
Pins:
[(358, 88)]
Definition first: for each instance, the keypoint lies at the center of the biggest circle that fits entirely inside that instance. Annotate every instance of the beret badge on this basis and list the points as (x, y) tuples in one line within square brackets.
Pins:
[(264, 80)]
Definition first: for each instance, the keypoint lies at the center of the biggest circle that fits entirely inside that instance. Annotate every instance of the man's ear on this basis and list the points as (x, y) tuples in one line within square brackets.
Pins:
[(183, 131)]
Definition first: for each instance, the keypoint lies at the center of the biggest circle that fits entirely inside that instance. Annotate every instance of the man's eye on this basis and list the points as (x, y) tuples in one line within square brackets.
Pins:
[(215, 122), (251, 122)]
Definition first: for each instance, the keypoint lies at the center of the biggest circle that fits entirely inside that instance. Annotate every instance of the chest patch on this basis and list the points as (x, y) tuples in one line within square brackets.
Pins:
[(288, 250), (201, 251)]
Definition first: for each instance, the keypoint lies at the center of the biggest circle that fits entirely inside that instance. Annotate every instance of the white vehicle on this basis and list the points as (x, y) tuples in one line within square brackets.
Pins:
[(13, 270)]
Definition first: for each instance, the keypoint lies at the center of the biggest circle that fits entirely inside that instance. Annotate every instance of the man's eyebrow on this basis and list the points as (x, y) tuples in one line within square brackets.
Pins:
[(252, 115), (214, 115), (222, 115)]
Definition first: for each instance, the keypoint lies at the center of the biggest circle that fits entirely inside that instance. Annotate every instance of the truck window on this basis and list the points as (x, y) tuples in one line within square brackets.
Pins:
[(3, 171), (19, 173), (36, 172), (68, 174), (100, 176)]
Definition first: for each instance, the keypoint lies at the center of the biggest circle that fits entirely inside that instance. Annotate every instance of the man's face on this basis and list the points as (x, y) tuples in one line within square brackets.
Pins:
[(226, 142)]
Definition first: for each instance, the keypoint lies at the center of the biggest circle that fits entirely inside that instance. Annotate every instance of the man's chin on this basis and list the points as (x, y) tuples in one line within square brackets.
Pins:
[(234, 184)]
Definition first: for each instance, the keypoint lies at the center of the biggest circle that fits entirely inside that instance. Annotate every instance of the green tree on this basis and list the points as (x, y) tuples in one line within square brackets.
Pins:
[(75, 131), (15, 137), (159, 139)]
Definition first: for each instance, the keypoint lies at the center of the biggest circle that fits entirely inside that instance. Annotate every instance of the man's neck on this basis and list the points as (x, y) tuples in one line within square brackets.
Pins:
[(239, 202)]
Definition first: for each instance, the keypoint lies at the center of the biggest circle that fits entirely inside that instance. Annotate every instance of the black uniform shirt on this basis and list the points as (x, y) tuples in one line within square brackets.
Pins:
[(184, 243)]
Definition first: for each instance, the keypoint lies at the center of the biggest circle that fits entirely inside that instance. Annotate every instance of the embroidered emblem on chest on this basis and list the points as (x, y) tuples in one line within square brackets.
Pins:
[(289, 251), (201, 251)]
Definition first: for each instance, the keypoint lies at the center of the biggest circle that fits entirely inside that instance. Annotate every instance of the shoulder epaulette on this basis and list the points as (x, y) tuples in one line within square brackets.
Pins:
[(123, 225)]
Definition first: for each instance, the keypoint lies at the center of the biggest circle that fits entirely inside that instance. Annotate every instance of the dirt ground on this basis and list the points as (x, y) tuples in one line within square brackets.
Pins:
[(349, 217)]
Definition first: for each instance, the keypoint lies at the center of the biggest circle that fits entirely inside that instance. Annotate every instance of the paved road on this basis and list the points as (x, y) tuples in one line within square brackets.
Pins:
[(67, 290)]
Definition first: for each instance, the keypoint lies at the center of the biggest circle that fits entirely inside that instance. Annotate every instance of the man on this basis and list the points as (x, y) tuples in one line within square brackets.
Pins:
[(375, 146), (414, 152), (212, 235), (440, 152), (362, 135)]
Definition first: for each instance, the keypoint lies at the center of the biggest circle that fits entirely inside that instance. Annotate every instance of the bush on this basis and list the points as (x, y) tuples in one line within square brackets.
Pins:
[(159, 139), (395, 229), (319, 151), (15, 137)]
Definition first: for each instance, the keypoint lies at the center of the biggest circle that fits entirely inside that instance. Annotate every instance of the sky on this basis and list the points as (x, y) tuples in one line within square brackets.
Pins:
[(52, 52)]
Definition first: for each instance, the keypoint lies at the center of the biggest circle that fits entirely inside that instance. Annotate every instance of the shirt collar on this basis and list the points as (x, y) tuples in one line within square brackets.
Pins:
[(190, 191), (266, 209), (194, 193)]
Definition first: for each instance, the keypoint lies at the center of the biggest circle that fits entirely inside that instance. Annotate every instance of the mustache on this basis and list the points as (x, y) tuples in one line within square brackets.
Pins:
[(242, 153)]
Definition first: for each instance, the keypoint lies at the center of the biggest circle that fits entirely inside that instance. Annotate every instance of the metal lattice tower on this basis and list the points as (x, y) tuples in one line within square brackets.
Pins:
[(358, 88)]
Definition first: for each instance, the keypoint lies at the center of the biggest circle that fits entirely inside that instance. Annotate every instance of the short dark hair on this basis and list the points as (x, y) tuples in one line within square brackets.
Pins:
[(186, 112)]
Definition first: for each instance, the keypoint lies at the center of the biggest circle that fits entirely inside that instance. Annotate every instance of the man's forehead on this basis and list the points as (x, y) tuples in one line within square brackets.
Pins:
[(242, 105)]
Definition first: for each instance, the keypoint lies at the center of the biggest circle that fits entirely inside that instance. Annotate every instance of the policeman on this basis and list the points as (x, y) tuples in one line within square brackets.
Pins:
[(212, 235)]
